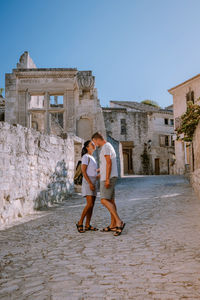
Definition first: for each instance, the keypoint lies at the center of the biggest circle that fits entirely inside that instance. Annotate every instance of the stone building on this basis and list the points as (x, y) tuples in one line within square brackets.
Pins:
[(2, 106), (146, 135), (187, 91), (53, 100), (195, 161), (64, 101)]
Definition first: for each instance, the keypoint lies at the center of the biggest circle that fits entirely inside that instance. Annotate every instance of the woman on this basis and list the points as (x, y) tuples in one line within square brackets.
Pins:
[(89, 171)]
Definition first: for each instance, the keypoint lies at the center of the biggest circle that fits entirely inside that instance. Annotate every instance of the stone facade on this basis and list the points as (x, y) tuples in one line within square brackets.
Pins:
[(2, 108), (182, 93), (64, 100), (36, 170), (195, 175), (53, 100), (147, 142)]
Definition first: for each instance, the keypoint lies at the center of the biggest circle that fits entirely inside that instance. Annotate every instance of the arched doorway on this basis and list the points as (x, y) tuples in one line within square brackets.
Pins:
[(84, 128), (35, 125)]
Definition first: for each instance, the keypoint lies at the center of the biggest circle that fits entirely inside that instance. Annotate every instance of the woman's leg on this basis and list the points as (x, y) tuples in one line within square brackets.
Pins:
[(90, 201), (87, 208)]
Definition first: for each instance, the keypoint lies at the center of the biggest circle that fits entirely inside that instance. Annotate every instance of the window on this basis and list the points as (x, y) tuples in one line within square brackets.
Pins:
[(190, 97), (172, 122), (36, 101), (56, 101), (172, 141), (2, 116), (162, 140), (166, 140), (166, 121), (123, 126), (57, 120), (34, 125), (177, 123)]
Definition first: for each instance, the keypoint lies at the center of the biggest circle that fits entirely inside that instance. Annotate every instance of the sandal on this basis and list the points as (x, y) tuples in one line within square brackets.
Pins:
[(80, 228), (91, 228), (119, 229), (108, 228)]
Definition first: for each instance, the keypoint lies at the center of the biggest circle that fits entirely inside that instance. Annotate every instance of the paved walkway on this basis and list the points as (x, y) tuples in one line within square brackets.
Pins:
[(157, 257)]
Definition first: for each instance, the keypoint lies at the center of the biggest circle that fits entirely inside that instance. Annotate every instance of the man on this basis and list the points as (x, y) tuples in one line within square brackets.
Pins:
[(108, 178)]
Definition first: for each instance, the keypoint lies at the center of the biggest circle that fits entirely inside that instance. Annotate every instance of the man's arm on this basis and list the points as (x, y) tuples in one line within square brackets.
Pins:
[(108, 170)]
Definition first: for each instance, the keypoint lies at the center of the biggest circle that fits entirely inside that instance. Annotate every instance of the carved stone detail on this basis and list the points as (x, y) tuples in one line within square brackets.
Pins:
[(85, 80)]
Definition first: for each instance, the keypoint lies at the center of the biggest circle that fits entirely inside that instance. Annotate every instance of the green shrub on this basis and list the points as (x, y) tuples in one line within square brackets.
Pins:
[(189, 122)]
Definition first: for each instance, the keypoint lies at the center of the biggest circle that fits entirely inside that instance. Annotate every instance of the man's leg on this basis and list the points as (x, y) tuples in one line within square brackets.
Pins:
[(111, 208), (113, 223)]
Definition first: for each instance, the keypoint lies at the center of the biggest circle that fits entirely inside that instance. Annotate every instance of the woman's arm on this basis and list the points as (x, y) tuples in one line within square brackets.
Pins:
[(98, 173), (84, 169)]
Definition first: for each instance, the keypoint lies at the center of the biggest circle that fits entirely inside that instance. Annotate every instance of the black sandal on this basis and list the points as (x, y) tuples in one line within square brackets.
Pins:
[(80, 228), (91, 228), (108, 228), (119, 230)]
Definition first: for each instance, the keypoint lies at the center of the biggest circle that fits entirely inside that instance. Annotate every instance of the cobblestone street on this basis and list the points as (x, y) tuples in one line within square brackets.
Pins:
[(156, 257)]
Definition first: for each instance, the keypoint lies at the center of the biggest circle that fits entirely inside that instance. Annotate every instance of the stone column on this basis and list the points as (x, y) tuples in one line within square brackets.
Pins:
[(27, 101), (65, 112), (69, 115), (46, 114), (11, 103), (29, 120), (22, 108)]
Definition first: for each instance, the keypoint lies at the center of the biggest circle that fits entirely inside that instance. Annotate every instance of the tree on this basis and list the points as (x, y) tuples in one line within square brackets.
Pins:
[(189, 122), (150, 102)]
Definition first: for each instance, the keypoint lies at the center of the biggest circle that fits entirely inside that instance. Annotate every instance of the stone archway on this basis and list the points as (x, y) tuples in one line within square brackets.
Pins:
[(84, 128), (34, 125)]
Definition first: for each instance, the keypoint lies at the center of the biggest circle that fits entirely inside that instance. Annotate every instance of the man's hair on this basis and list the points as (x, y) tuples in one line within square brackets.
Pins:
[(97, 135)]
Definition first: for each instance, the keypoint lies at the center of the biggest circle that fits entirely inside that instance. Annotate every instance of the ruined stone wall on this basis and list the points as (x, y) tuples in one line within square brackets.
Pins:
[(11, 105), (28, 92), (195, 175), (35, 170)]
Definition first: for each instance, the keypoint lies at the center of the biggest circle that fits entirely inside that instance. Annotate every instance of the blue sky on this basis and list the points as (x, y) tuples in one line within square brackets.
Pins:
[(137, 49)]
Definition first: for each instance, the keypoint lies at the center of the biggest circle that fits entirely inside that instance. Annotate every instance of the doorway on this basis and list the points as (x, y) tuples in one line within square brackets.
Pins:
[(84, 128), (127, 157), (157, 166)]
